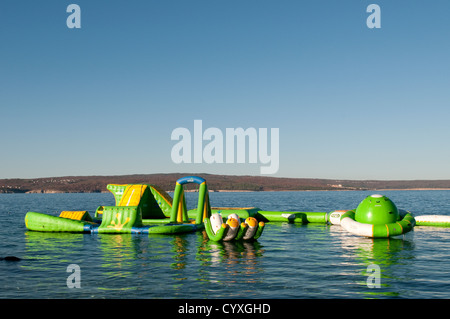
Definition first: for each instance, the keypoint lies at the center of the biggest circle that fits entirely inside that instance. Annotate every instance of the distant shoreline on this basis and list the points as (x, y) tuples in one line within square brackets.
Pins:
[(250, 191), (216, 183)]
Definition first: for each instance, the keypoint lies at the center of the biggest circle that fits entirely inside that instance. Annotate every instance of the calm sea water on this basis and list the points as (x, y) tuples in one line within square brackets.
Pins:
[(288, 261)]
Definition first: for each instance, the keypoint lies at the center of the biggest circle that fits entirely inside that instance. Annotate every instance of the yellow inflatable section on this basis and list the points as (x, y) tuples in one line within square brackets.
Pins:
[(132, 195), (152, 201), (76, 215)]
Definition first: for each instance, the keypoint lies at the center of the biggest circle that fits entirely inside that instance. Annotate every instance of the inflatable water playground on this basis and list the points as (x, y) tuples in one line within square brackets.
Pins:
[(146, 209)]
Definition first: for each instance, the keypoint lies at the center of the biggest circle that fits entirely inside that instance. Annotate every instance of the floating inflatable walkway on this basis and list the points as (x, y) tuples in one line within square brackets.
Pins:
[(375, 217), (433, 220)]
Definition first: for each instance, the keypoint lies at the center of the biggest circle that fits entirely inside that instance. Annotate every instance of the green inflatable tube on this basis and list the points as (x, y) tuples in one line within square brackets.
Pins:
[(242, 229), (295, 217), (209, 231), (48, 223), (173, 228), (259, 231)]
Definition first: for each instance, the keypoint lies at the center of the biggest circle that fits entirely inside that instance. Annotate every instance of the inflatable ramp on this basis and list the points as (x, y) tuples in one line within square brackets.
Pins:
[(153, 202)]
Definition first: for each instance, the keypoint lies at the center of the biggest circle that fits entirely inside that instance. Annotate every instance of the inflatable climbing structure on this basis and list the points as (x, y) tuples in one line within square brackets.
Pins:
[(139, 208), (146, 209)]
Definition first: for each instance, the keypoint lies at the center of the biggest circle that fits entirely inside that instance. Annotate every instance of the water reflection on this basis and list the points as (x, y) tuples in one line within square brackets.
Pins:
[(234, 252), (53, 247), (119, 253), (180, 250), (393, 256), (290, 260), (231, 264)]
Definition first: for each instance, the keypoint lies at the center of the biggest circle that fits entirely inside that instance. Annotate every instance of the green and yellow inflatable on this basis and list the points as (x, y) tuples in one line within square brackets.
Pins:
[(140, 208)]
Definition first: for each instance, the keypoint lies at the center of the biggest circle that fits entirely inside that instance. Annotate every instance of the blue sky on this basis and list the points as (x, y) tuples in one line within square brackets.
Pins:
[(350, 102)]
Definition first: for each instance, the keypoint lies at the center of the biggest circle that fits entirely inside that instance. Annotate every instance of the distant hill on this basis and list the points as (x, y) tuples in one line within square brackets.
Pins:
[(96, 184)]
